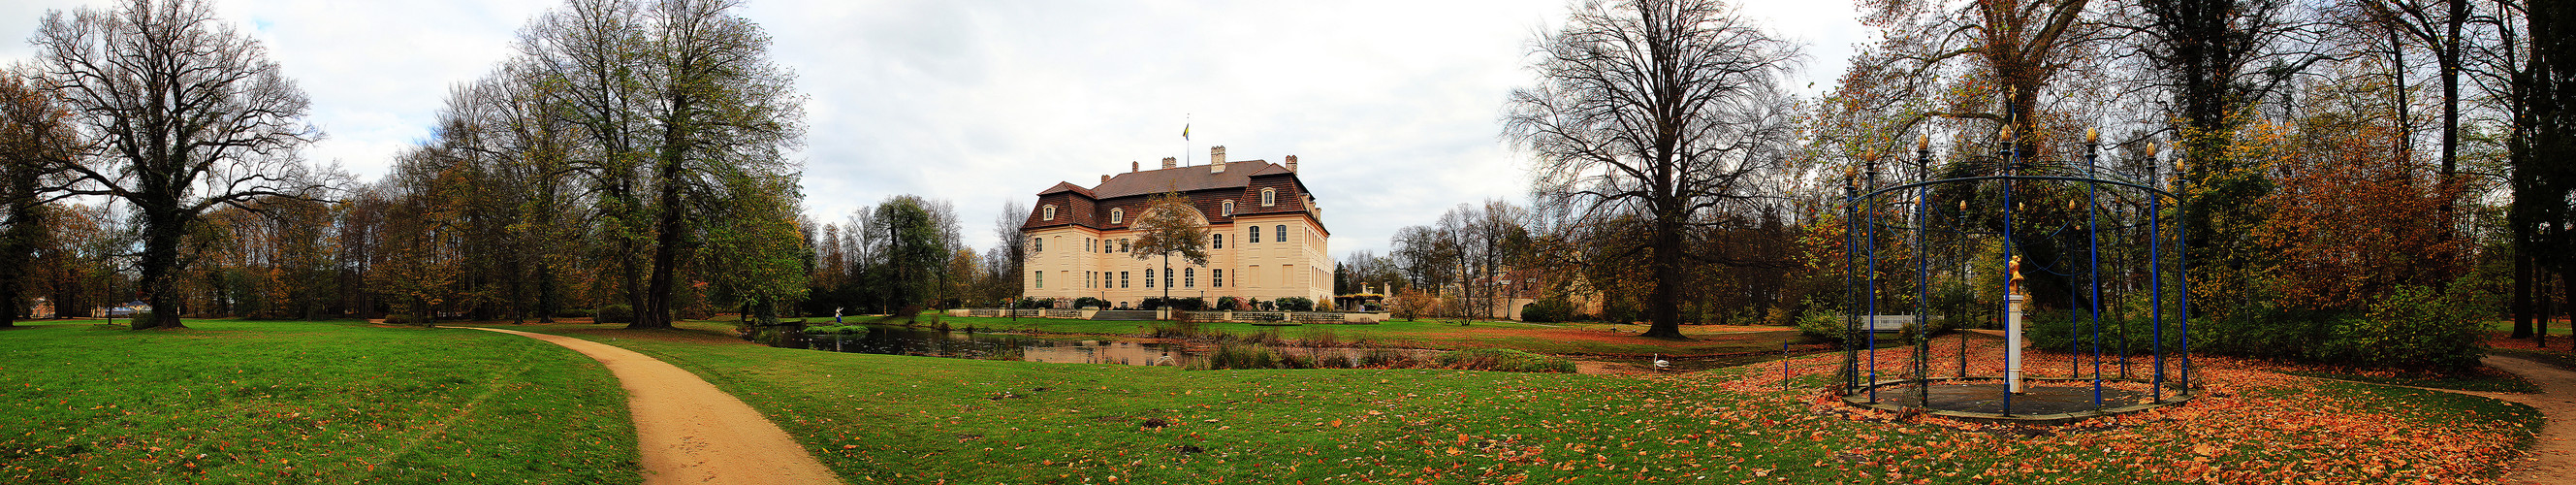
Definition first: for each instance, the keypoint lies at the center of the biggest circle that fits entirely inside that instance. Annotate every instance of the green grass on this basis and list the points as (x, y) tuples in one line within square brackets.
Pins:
[(2487, 381), (295, 402), (878, 418)]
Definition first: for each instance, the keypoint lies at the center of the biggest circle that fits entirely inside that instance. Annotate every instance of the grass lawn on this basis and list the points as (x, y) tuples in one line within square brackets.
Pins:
[(877, 418), (292, 402), (1561, 338)]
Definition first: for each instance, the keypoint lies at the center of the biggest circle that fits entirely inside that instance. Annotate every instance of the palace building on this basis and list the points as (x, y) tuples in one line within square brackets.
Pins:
[(1266, 236)]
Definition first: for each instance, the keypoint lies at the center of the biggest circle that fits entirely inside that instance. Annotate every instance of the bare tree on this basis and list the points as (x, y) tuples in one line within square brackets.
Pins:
[(190, 115), (1664, 109)]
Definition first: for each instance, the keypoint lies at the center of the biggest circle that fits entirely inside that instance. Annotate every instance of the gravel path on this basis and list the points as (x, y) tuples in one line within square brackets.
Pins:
[(2550, 460), (690, 432)]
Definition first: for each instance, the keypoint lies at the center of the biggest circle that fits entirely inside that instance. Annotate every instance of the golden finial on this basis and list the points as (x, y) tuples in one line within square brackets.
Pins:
[(2092, 136), (2151, 148), (2007, 133), (1923, 144)]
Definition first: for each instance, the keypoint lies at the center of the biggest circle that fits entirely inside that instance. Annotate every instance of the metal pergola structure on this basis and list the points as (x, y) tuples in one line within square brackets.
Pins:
[(1944, 251)]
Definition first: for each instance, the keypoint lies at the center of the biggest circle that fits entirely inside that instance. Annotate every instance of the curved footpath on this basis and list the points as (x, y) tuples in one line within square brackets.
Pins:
[(690, 432), (2550, 457)]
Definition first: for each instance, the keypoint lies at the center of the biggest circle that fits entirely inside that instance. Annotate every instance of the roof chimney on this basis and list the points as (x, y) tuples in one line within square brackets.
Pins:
[(1292, 163), (1132, 166), (1104, 178), (1169, 162), (1216, 159)]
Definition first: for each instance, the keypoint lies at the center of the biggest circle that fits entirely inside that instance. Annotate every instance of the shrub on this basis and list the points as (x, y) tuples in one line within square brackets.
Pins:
[(1548, 311), (1823, 325), (1294, 304), (1037, 303), (576, 313), (1089, 302), (616, 314), (1228, 303), (1505, 360), (2415, 328)]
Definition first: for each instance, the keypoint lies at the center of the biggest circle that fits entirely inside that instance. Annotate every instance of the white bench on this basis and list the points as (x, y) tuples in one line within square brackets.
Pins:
[(1887, 323)]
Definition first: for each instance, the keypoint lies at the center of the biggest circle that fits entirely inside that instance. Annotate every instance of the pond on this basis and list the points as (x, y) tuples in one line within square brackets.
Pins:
[(892, 340)]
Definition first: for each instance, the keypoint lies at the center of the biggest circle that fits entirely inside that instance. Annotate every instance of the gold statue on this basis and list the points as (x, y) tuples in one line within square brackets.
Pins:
[(2013, 268)]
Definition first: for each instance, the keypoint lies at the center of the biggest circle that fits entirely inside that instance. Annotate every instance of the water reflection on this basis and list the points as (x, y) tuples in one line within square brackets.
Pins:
[(890, 340)]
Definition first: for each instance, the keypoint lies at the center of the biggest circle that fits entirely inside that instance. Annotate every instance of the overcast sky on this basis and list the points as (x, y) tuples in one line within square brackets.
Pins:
[(1392, 110)]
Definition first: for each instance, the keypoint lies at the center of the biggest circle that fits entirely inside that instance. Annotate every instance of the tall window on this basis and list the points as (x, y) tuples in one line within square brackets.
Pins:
[(1269, 197), (1216, 241), (1167, 277), (1282, 230), (1122, 245), (1041, 277), (1256, 234), (1050, 211), (1227, 207), (1149, 277), (1189, 277), (1086, 279), (1037, 245), (1216, 278), (1117, 216), (1122, 279)]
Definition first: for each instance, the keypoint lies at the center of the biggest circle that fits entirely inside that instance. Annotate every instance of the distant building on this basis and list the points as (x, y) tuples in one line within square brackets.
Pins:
[(1267, 236)]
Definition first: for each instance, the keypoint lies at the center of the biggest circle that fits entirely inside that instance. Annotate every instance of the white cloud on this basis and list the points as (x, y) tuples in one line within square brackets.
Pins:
[(1392, 109)]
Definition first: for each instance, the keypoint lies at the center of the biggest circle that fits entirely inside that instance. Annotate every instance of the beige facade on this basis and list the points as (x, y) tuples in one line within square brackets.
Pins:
[(1267, 238)]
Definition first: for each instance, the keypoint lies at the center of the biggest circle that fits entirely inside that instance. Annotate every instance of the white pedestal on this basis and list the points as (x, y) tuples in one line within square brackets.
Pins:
[(2012, 342)]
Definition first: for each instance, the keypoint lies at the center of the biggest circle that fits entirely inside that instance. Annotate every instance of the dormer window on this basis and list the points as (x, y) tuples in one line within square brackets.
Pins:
[(1049, 211), (1118, 216), (1269, 197), (1228, 207)]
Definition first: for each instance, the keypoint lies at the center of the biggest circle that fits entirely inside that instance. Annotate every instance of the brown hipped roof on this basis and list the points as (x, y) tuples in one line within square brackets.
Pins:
[(1180, 179)]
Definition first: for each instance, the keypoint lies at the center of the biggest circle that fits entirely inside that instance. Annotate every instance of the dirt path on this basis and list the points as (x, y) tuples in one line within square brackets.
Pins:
[(690, 432), (2550, 460)]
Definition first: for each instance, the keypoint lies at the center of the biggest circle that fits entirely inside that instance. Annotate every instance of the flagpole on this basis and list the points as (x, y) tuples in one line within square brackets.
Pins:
[(1185, 139)]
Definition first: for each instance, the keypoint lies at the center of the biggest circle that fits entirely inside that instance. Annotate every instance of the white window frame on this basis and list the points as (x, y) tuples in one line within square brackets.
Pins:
[(1228, 207), (1269, 197), (1118, 216), (1050, 212)]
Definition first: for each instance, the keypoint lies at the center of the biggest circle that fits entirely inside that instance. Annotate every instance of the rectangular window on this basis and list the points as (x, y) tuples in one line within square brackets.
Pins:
[(1167, 277), (1037, 245), (1149, 277), (1282, 229), (1122, 279), (1252, 276), (1216, 278), (1287, 274), (1256, 234), (1041, 283), (1189, 277), (1216, 241)]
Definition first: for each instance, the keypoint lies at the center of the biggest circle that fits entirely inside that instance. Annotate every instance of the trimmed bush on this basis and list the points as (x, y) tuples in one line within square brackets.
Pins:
[(616, 314), (1548, 311), (1294, 304), (1505, 360), (1228, 303), (1089, 302)]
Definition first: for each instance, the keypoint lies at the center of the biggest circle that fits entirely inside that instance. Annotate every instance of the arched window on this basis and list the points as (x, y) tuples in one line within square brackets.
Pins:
[(1050, 211), (1189, 277), (1256, 234), (1228, 207), (1149, 277), (1118, 216), (1269, 197)]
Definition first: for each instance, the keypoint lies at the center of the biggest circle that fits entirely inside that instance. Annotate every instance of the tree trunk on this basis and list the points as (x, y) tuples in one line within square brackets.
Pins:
[(163, 229), (2522, 274), (1664, 301)]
